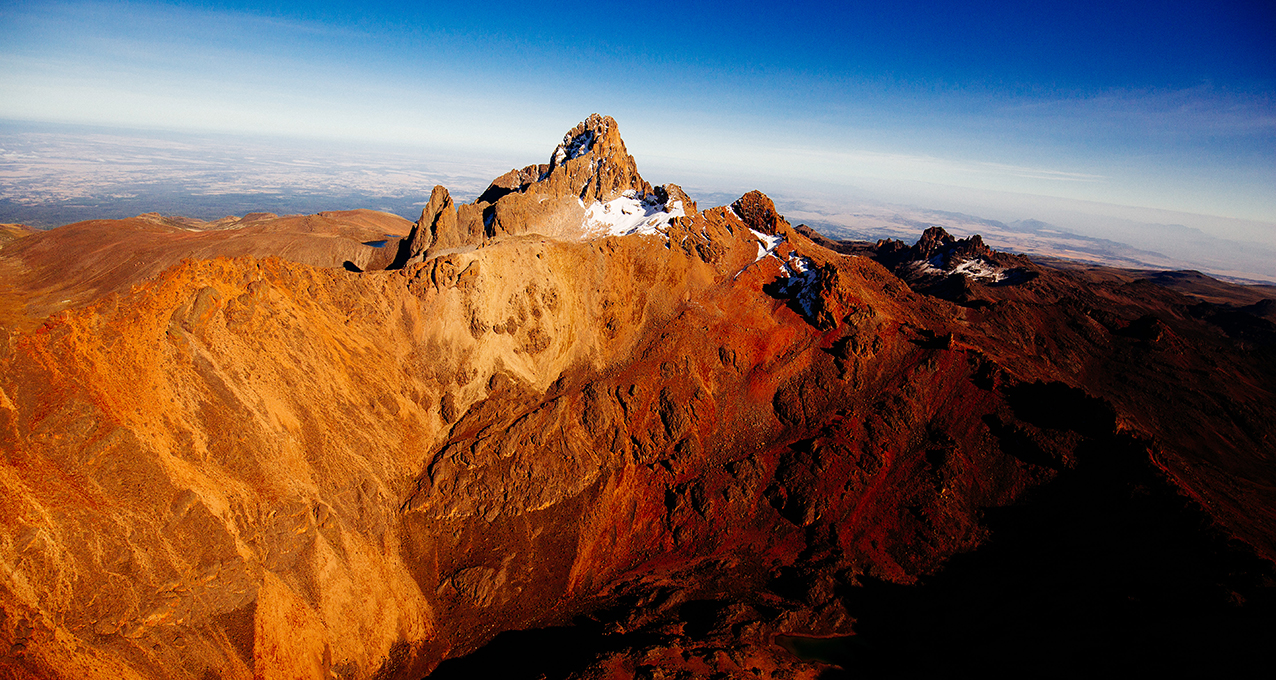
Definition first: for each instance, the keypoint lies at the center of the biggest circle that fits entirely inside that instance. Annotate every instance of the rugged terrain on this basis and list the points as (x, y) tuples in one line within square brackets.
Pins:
[(647, 439)]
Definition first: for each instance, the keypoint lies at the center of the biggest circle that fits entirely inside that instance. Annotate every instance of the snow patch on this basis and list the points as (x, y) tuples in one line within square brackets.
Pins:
[(766, 244), (574, 147), (978, 268), (802, 283), (630, 214), (801, 278)]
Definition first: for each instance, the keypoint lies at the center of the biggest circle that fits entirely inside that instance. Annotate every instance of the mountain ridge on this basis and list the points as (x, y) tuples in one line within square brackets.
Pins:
[(700, 435)]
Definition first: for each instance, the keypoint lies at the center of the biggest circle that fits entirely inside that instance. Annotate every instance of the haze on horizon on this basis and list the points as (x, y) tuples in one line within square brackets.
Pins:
[(1098, 118)]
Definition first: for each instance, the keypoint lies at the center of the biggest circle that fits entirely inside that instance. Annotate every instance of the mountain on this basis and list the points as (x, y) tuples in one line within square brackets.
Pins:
[(581, 428)]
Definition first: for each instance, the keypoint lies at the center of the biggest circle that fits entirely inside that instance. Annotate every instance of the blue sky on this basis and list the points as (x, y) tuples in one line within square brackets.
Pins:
[(1163, 105)]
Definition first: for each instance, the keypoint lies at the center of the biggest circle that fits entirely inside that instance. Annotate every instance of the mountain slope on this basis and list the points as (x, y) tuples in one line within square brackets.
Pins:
[(579, 400)]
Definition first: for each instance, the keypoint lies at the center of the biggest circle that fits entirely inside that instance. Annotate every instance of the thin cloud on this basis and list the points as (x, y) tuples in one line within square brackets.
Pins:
[(950, 170), (1042, 173)]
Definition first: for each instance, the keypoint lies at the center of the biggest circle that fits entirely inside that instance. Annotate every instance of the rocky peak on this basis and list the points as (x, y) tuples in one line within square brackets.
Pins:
[(933, 241), (951, 268), (940, 249), (581, 139), (592, 164), (669, 194), (589, 187), (758, 212), (438, 221)]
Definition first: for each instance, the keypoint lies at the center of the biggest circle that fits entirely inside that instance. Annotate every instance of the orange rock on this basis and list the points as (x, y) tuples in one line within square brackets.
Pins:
[(261, 466)]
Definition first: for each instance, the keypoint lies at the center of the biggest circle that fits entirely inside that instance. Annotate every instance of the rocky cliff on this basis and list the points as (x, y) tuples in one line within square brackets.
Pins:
[(576, 404)]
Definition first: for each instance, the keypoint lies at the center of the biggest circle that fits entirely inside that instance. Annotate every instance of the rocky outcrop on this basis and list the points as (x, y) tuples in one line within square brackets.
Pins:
[(590, 167), (672, 194), (937, 243), (758, 212), (512, 182), (937, 248), (592, 164), (436, 229), (954, 269), (437, 226)]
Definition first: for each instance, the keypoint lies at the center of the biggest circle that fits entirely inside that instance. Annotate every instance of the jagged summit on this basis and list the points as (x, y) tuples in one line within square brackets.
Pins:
[(575, 144), (590, 187), (935, 242), (954, 269), (592, 164), (938, 253)]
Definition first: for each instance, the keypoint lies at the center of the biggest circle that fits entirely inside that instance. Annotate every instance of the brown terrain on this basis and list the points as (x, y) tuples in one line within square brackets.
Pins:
[(580, 428)]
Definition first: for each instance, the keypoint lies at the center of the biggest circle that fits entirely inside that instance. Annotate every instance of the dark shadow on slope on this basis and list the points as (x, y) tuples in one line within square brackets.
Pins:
[(547, 653), (1249, 327), (403, 251), (1057, 406), (1106, 571), (800, 293)]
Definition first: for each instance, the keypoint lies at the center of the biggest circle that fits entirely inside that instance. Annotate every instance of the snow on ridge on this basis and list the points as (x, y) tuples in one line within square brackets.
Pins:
[(801, 277), (574, 147), (630, 214), (766, 244), (802, 283), (978, 268)]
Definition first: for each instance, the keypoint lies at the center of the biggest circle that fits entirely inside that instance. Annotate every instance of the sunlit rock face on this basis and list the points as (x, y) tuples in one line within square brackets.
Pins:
[(271, 450)]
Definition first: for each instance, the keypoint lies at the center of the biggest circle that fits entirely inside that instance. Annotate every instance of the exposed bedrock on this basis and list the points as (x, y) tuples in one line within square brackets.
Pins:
[(686, 440)]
